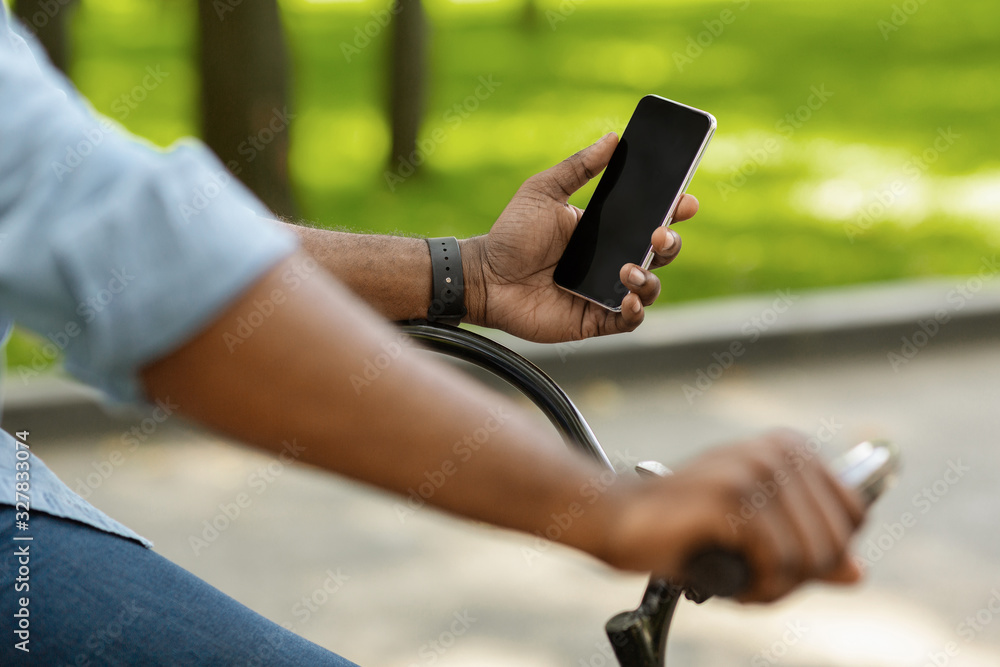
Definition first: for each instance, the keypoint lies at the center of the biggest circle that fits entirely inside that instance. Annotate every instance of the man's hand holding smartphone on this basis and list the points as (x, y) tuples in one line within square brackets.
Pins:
[(509, 271), (639, 191)]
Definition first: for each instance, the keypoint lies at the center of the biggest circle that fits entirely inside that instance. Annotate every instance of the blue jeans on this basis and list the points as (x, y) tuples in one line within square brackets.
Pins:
[(98, 599)]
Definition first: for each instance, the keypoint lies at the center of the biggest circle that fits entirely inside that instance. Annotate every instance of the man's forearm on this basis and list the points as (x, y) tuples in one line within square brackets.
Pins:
[(390, 273), (324, 371)]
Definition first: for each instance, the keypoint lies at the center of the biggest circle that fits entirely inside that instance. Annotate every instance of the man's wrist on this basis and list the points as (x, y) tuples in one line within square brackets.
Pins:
[(473, 260)]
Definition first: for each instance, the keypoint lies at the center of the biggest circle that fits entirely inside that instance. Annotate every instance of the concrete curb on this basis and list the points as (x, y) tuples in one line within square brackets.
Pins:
[(53, 406), (867, 319)]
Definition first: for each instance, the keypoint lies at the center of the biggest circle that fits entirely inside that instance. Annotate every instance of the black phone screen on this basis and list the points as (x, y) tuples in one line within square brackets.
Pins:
[(647, 172)]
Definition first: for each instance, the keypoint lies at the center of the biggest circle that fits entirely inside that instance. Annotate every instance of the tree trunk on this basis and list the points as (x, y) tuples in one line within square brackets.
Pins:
[(48, 21), (244, 94), (408, 62), (529, 15)]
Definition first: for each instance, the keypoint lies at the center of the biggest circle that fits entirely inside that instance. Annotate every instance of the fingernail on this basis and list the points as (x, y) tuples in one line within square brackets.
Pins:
[(636, 305), (671, 240), (637, 277)]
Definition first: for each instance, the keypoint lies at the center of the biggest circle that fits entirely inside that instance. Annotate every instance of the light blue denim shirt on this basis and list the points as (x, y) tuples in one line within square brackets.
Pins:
[(116, 251)]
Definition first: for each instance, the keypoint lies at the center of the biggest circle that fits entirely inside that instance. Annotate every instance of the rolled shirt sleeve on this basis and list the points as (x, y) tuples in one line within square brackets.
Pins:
[(114, 251)]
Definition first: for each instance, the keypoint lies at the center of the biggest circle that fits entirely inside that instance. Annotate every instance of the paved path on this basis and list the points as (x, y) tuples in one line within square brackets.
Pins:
[(435, 591)]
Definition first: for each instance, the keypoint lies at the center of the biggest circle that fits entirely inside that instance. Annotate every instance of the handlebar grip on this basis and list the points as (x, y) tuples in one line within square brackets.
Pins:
[(868, 469), (718, 572)]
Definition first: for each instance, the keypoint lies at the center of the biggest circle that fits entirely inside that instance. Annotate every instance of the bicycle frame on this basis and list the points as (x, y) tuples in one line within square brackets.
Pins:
[(639, 637)]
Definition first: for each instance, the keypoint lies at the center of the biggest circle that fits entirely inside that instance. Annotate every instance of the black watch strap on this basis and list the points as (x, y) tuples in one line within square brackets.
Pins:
[(447, 284)]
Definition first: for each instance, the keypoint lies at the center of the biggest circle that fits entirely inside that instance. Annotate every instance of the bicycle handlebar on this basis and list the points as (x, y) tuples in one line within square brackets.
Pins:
[(868, 469), (519, 372), (639, 637)]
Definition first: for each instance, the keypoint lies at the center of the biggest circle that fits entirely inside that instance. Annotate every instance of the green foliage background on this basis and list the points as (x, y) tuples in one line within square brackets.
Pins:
[(575, 72)]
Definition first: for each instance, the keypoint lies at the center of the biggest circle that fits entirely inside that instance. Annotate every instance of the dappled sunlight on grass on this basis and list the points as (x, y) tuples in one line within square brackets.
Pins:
[(976, 196), (784, 178), (507, 139), (336, 148), (574, 77), (615, 62)]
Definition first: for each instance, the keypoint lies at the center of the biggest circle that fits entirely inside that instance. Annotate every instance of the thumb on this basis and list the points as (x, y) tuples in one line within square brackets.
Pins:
[(562, 180)]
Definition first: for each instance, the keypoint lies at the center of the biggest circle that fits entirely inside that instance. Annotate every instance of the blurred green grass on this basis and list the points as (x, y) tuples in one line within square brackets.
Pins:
[(578, 71)]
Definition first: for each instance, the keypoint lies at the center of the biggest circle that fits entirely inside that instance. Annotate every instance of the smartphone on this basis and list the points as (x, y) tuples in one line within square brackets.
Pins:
[(651, 167)]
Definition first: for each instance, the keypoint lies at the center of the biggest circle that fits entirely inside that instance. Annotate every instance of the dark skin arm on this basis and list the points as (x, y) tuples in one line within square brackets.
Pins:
[(508, 272), (292, 379), (301, 375)]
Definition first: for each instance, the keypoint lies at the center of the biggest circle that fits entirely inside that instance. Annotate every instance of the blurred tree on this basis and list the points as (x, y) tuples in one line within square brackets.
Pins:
[(244, 94), (407, 83), (48, 20), (529, 14)]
